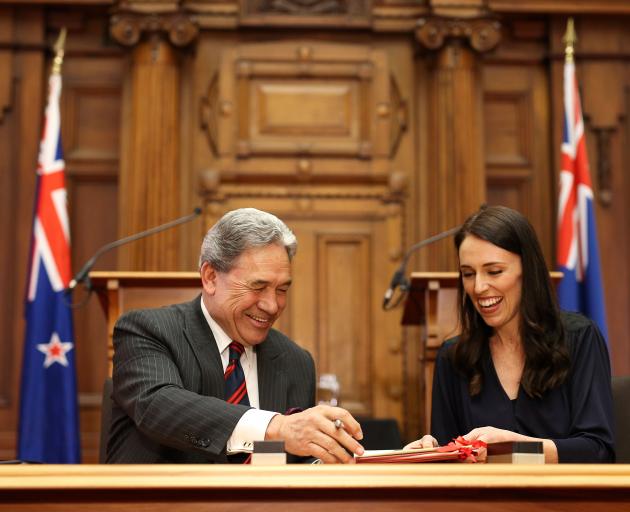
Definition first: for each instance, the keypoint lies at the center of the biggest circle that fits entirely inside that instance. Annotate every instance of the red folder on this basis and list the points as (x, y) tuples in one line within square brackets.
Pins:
[(459, 450)]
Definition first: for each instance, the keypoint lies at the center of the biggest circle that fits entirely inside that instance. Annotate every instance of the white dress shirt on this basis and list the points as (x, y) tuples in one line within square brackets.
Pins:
[(253, 424)]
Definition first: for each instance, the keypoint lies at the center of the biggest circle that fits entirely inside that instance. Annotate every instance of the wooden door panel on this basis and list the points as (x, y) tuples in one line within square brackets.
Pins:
[(516, 134), (342, 337)]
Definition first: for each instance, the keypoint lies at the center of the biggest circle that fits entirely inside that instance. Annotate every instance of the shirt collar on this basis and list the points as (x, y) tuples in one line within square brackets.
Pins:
[(220, 336)]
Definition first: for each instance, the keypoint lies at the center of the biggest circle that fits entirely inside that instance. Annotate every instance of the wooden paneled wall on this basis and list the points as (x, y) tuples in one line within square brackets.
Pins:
[(22, 83), (363, 139)]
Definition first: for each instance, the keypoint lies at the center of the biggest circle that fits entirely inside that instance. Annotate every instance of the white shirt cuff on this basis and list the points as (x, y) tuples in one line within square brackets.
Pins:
[(251, 427)]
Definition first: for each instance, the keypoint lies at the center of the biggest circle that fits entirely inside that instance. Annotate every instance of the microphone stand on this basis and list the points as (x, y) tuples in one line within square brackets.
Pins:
[(399, 280), (82, 276)]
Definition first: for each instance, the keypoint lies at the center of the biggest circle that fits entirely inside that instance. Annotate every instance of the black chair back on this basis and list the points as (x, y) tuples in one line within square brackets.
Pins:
[(621, 399), (106, 418)]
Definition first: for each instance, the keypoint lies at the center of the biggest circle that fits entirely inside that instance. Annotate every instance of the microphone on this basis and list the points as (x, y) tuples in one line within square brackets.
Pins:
[(82, 274), (399, 279)]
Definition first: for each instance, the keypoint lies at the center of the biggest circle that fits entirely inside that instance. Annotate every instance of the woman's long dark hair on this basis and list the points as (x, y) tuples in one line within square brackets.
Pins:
[(542, 334)]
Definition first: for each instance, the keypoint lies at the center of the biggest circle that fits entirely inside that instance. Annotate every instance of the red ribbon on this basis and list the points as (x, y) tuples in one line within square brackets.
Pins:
[(467, 449)]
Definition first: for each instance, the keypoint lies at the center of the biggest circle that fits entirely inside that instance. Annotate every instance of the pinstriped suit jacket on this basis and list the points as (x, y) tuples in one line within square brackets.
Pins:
[(169, 390)]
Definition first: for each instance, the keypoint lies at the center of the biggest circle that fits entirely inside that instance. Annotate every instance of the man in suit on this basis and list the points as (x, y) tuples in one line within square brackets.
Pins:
[(174, 366)]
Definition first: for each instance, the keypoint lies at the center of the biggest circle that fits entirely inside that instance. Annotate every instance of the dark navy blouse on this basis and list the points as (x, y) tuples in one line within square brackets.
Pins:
[(577, 415)]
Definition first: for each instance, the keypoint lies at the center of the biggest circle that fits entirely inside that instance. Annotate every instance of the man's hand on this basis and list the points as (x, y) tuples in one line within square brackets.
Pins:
[(313, 433)]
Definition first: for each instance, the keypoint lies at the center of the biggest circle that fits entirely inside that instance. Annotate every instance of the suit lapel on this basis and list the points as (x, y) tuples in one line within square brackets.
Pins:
[(203, 344), (272, 379)]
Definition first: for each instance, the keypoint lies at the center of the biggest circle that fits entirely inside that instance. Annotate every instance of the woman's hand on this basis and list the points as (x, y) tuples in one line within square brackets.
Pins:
[(492, 435), (426, 441), (497, 435)]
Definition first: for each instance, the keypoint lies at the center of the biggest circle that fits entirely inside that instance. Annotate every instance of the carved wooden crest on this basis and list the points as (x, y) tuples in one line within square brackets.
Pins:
[(306, 12), (304, 111)]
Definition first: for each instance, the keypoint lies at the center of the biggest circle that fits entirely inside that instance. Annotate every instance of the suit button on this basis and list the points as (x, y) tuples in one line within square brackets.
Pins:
[(204, 443)]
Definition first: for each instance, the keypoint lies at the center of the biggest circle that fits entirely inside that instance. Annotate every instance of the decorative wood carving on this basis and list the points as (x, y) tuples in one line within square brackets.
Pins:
[(305, 111), (297, 7), (400, 116), (482, 34), (209, 113), (306, 12), (133, 18)]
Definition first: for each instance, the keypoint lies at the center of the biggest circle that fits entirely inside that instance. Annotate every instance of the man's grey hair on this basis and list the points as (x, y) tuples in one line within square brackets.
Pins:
[(240, 230)]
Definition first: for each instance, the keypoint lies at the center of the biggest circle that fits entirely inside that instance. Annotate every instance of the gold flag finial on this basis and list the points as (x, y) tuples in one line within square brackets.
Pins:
[(59, 52), (570, 38)]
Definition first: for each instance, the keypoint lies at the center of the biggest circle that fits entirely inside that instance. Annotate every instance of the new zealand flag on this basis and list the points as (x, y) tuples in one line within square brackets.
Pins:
[(49, 427), (578, 253)]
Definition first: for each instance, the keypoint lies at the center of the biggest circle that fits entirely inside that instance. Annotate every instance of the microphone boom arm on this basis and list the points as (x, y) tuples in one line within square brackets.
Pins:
[(82, 274), (399, 279)]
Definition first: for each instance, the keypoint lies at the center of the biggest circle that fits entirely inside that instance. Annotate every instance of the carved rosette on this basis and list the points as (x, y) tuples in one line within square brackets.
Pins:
[(483, 34), (129, 22)]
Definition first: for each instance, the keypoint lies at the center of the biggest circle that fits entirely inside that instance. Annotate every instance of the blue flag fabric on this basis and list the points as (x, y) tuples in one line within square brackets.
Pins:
[(49, 427), (578, 253)]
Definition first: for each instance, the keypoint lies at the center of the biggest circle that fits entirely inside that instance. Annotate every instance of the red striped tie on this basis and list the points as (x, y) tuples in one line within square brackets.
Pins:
[(235, 385)]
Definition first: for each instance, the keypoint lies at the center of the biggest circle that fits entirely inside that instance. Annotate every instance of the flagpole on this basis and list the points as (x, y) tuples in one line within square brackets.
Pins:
[(59, 52), (569, 39)]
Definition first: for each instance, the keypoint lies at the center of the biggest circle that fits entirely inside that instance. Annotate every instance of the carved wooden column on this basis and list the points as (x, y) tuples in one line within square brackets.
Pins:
[(149, 174), (456, 163)]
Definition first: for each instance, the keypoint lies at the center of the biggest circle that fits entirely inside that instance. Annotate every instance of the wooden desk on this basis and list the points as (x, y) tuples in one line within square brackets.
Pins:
[(420, 487)]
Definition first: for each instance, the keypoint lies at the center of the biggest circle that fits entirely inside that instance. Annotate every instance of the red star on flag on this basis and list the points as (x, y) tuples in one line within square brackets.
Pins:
[(55, 350)]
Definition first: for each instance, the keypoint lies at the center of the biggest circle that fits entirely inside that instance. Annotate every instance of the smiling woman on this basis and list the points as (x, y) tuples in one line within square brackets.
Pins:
[(491, 277), (520, 370)]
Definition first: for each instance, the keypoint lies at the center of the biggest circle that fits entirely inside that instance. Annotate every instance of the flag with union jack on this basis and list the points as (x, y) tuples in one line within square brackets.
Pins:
[(49, 427), (578, 253)]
